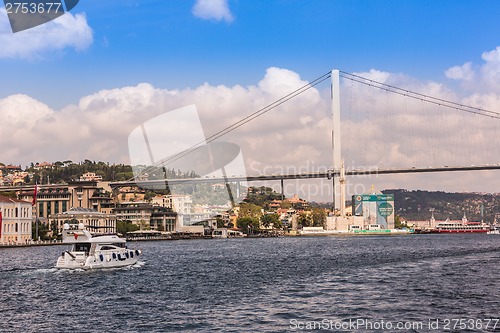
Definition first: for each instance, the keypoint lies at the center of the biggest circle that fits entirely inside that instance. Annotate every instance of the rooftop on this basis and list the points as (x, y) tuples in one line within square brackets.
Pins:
[(7, 199), (80, 210)]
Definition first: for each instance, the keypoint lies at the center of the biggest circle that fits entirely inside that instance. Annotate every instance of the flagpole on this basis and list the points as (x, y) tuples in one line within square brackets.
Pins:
[(35, 203), (36, 222)]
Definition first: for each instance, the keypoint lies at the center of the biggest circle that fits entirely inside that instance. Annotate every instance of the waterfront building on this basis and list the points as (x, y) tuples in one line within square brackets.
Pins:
[(181, 204), (369, 212), (94, 221), (163, 219), (59, 198), (15, 220), (425, 224), (137, 212), (375, 209)]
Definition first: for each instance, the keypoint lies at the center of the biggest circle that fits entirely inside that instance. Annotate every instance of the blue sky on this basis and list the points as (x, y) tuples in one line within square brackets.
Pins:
[(163, 43), (76, 87)]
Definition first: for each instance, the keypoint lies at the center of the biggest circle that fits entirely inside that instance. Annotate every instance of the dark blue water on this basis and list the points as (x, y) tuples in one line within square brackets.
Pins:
[(262, 285)]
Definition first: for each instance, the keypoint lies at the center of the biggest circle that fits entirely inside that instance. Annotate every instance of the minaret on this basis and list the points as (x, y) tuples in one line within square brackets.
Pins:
[(342, 189), (482, 213)]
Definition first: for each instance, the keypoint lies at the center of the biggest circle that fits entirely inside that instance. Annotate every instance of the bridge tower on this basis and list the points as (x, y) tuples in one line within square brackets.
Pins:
[(338, 165)]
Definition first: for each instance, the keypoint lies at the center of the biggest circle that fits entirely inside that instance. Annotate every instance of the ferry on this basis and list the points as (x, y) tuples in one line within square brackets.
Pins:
[(463, 226), (94, 251)]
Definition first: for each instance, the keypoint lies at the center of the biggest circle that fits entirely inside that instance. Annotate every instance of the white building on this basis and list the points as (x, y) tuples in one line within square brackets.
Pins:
[(15, 220), (94, 221), (90, 176), (187, 217), (181, 204)]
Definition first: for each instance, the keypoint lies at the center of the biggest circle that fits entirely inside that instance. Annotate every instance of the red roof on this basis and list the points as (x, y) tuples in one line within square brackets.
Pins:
[(6, 199)]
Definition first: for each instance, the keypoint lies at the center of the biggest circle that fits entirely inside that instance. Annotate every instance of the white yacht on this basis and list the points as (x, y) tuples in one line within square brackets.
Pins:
[(94, 251)]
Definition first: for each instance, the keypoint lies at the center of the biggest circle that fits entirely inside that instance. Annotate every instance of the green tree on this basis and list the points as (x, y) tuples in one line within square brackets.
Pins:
[(260, 196), (268, 220), (397, 222), (149, 196), (278, 224), (122, 227), (318, 217), (220, 222), (42, 231), (248, 224), (304, 219), (250, 210)]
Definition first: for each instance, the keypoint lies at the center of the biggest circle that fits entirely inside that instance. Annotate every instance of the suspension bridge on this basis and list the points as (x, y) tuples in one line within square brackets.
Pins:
[(337, 172)]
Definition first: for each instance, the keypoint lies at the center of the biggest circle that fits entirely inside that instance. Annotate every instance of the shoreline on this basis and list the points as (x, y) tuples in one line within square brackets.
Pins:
[(40, 243), (148, 239)]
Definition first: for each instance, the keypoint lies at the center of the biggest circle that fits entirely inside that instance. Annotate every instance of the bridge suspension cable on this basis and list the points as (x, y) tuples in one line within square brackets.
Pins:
[(420, 96), (267, 108), (241, 122)]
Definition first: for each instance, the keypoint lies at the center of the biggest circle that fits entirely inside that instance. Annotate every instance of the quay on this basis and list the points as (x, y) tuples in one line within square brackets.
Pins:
[(30, 243)]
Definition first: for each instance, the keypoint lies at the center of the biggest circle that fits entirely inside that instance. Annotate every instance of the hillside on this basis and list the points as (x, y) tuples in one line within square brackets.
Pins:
[(58, 172), (417, 205)]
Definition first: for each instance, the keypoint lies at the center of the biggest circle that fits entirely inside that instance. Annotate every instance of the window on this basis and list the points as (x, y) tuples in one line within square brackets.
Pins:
[(107, 247), (84, 247)]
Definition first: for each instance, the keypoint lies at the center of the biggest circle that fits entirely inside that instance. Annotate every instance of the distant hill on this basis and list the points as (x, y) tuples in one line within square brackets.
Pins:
[(417, 205), (65, 171)]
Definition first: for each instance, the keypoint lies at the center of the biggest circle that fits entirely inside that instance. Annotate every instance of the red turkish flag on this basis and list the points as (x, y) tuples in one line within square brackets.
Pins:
[(35, 193)]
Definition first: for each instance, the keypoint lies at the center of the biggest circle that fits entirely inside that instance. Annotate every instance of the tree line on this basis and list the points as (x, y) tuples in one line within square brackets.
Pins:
[(66, 171)]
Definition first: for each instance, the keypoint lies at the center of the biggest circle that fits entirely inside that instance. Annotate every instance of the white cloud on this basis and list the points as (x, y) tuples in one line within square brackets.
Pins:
[(22, 110), (67, 31), (464, 72), (212, 10), (491, 69), (484, 77)]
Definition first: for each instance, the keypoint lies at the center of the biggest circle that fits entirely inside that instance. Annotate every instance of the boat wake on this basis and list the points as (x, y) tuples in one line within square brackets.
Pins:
[(58, 271), (45, 270), (138, 264), (29, 270)]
